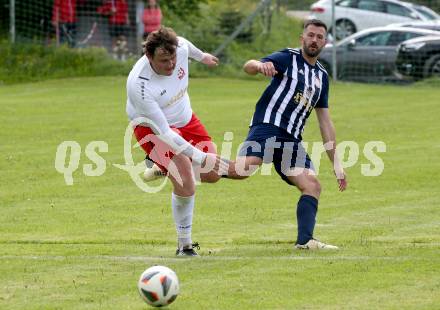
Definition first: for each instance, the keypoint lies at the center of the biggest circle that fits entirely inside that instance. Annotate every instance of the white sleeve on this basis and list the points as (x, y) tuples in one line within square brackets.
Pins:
[(193, 51), (152, 116)]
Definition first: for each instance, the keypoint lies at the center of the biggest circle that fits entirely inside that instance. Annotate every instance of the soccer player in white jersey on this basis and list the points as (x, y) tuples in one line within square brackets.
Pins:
[(166, 127), (299, 84)]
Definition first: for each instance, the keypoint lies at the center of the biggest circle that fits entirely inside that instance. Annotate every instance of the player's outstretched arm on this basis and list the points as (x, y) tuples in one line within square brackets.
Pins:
[(252, 67), (196, 54), (209, 60), (328, 134)]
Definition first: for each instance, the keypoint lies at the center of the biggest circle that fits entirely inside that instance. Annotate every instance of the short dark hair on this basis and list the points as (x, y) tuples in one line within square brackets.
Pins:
[(164, 38), (315, 22)]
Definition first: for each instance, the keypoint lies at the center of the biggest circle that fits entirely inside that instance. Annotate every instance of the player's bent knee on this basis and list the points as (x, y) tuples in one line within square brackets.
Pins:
[(183, 183), (184, 189), (314, 187), (310, 187)]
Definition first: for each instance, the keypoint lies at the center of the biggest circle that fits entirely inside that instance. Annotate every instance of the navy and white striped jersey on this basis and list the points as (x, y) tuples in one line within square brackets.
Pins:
[(293, 92)]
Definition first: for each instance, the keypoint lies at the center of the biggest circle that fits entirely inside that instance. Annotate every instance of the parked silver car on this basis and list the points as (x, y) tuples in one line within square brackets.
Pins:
[(370, 55), (355, 15), (430, 24)]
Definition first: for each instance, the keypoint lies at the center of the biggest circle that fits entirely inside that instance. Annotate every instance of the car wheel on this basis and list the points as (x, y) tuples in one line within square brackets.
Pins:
[(432, 67), (344, 28)]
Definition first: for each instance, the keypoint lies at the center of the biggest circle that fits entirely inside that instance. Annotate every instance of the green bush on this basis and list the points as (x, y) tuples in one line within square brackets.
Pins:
[(432, 82), (208, 33), (34, 62)]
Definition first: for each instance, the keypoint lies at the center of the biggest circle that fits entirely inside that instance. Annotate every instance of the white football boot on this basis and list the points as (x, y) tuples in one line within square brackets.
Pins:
[(314, 244), (153, 173)]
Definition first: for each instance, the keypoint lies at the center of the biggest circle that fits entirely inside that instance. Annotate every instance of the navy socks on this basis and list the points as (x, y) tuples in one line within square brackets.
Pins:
[(306, 218)]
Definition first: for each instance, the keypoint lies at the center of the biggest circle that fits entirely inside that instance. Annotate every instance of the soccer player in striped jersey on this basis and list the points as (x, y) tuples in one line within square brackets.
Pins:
[(299, 85), (166, 127)]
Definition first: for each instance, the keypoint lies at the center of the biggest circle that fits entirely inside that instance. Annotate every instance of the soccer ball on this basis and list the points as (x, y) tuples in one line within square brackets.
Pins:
[(158, 286)]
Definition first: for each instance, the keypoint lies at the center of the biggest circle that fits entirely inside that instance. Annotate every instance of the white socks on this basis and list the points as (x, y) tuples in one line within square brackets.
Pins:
[(183, 213)]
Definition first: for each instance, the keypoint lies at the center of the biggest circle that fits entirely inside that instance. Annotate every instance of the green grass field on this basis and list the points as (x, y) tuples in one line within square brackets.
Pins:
[(84, 246)]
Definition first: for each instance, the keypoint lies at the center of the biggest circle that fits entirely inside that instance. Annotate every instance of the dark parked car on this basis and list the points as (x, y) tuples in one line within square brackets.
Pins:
[(370, 55), (420, 57)]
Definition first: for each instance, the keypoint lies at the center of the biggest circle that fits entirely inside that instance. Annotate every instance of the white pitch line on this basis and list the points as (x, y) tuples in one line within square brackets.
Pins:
[(207, 258)]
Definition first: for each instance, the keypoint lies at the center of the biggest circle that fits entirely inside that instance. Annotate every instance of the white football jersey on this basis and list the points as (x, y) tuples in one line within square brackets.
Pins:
[(163, 100), (169, 93)]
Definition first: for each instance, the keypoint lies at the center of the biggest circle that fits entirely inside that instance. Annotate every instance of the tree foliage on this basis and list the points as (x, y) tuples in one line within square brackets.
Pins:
[(185, 9), (433, 4)]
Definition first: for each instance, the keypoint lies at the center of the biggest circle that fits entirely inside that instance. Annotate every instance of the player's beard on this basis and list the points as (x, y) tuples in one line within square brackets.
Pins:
[(314, 53)]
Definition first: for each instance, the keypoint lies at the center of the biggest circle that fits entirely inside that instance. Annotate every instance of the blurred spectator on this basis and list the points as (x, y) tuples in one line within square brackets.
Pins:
[(64, 21), (152, 17), (117, 12)]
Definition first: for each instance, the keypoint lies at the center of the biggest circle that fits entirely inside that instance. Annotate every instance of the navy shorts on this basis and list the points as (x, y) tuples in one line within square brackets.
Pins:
[(275, 145)]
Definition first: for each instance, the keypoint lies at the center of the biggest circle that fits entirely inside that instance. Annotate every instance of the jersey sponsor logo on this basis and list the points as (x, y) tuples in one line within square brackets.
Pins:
[(304, 99), (181, 73), (177, 97), (301, 71)]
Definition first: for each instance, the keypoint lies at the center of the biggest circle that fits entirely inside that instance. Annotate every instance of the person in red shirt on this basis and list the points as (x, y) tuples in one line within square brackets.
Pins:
[(64, 21), (117, 12), (152, 17)]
